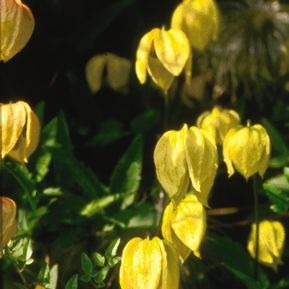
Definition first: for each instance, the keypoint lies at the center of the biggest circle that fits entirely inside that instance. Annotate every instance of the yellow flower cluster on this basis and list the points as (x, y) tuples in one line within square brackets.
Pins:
[(165, 54)]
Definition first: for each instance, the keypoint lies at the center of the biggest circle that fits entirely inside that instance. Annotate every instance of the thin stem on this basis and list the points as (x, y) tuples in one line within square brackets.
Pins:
[(166, 110), (256, 220)]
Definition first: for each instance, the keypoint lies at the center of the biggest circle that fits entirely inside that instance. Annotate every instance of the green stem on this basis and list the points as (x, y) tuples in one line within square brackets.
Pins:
[(256, 220), (166, 110)]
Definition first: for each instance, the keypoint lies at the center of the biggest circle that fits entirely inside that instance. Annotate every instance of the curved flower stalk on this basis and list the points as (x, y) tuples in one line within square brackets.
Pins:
[(20, 129), (246, 149), (183, 157), (163, 55), (185, 225), (150, 264), (110, 69), (16, 27), (218, 122), (199, 19), (271, 243), (7, 221)]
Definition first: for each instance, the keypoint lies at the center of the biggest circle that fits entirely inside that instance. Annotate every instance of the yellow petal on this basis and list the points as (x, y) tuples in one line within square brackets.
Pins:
[(12, 122), (142, 55), (202, 161), (189, 222), (172, 49), (16, 26), (94, 72), (118, 72), (170, 163)]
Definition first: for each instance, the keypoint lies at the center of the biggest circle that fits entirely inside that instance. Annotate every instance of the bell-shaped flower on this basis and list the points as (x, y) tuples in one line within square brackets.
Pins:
[(218, 122), (183, 156), (150, 264), (20, 131), (247, 150), (271, 243), (163, 55), (7, 221), (16, 27), (199, 19), (184, 225), (110, 69)]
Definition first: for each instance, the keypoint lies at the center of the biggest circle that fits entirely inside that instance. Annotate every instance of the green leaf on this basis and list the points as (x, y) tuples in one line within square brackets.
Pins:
[(112, 248), (86, 264), (43, 275), (72, 283), (101, 275), (98, 259), (53, 277), (235, 259), (145, 121), (126, 175), (113, 261)]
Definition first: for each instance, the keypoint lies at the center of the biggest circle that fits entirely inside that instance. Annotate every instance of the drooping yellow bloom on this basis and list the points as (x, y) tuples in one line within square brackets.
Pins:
[(199, 19), (150, 264), (163, 55), (247, 150), (183, 156), (20, 130), (109, 68), (7, 221), (218, 122), (16, 27), (271, 243), (185, 225)]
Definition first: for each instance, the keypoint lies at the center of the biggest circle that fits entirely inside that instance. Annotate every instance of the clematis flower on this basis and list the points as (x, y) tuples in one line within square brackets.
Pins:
[(163, 55), (247, 150), (150, 264), (184, 157), (110, 69), (199, 19), (20, 130), (218, 122), (7, 221), (16, 27), (271, 243), (184, 226)]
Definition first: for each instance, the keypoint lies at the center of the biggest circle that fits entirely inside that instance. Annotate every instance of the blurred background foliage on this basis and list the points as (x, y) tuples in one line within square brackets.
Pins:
[(92, 179)]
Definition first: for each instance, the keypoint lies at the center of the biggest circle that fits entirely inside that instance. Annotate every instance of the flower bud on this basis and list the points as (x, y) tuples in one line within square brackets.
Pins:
[(218, 122), (8, 221), (199, 19), (150, 264), (271, 243), (163, 55), (20, 130), (184, 225), (247, 150), (16, 27)]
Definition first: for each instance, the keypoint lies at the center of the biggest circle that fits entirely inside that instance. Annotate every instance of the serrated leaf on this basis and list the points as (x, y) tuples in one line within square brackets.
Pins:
[(126, 175), (86, 264), (72, 283)]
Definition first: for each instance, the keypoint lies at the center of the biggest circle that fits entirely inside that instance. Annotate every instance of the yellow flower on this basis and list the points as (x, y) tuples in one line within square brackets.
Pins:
[(7, 221), (112, 69), (16, 27), (218, 122), (20, 130), (183, 156), (199, 19), (150, 264), (247, 150), (184, 225), (163, 55), (271, 243)]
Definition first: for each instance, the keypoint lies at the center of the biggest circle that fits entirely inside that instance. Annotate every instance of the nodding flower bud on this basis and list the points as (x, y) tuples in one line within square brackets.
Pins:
[(184, 226), (20, 131), (218, 122), (199, 19), (247, 150), (271, 243), (163, 55), (150, 264), (16, 27), (7, 221)]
